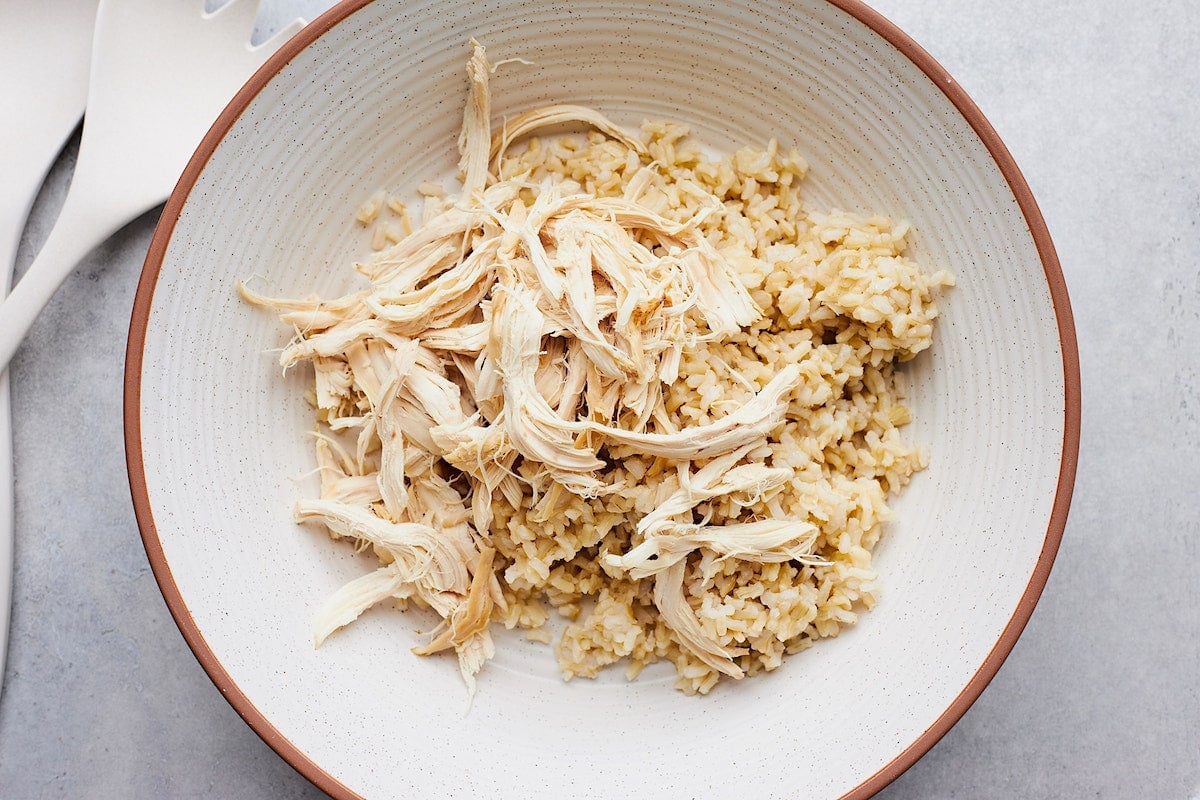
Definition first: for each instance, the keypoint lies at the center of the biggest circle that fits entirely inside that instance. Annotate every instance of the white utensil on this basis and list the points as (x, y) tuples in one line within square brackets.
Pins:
[(161, 72), (44, 55)]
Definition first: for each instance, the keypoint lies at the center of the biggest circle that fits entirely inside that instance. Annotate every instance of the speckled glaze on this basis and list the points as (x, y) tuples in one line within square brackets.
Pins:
[(370, 96)]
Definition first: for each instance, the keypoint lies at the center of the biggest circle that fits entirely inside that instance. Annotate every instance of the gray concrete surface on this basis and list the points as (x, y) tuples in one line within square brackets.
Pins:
[(1100, 698)]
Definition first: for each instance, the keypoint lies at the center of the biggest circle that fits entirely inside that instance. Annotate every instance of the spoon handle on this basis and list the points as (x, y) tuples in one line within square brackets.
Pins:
[(10, 239), (7, 514), (86, 220)]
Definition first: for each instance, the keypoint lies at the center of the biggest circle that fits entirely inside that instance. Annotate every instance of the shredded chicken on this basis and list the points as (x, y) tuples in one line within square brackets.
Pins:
[(529, 323)]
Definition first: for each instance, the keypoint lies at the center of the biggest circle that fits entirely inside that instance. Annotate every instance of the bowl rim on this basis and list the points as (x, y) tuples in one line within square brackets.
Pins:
[(907, 47)]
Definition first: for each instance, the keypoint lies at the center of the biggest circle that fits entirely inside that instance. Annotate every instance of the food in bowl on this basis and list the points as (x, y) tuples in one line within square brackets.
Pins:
[(620, 379)]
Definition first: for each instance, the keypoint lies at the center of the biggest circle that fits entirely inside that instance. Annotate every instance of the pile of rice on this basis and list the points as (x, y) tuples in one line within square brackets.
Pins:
[(838, 299)]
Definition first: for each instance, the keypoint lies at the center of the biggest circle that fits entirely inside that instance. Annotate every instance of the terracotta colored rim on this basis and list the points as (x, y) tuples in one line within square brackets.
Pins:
[(901, 41)]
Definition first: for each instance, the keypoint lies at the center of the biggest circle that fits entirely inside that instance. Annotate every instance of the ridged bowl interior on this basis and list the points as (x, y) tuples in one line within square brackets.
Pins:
[(376, 102)]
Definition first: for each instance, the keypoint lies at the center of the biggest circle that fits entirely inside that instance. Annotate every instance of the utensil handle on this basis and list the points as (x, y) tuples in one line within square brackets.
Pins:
[(7, 516), (86, 220), (12, 221)]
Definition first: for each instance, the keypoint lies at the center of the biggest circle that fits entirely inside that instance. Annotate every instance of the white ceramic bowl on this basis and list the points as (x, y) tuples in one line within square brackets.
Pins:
[(370, 96)]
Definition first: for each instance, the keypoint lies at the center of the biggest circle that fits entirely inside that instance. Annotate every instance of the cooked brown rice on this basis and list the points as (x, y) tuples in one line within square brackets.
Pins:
[(839, 299)]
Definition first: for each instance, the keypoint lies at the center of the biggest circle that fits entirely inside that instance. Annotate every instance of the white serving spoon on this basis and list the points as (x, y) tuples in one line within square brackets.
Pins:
[(45, 49), (160, 72)]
